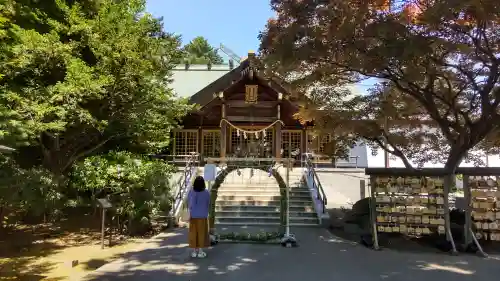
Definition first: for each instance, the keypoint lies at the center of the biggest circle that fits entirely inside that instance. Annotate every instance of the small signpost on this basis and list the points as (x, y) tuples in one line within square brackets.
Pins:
[(210, 173), (104, 204), (4, 148)]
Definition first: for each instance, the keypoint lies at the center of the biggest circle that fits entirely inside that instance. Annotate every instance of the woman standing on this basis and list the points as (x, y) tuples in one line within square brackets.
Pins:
[(198, 204)]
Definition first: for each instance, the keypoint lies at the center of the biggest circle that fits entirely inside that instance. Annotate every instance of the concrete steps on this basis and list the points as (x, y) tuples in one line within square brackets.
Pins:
[(273, 203), (262, 191), (249, 214), (267, 208), (255, 202), (257, 220)]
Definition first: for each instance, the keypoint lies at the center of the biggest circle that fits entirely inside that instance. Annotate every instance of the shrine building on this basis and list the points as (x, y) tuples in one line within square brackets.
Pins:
[(243, 114)]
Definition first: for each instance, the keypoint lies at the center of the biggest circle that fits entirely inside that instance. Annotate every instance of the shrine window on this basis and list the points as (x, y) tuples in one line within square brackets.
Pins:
[(316, 145), (312, 142), (291, 143), (185, 142), (211, 143), (252, 145), (324, 139)]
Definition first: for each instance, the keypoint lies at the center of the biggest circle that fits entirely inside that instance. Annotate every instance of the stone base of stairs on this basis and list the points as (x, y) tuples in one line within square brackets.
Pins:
[(246, 229)]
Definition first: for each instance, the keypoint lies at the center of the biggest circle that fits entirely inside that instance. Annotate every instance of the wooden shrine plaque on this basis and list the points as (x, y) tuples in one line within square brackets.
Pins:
[(251, 93)]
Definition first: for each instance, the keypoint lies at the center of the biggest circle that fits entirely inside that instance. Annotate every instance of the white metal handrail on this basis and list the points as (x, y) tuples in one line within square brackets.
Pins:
[(350, 160), (184, 183), (313, 181)]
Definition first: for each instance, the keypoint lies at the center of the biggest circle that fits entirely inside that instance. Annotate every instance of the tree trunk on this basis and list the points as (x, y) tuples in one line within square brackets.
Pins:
[(1, 216), (394, 151), (130, 225), (406, 162), (398, 153), (59, 159), (454, 159), (94, 202)]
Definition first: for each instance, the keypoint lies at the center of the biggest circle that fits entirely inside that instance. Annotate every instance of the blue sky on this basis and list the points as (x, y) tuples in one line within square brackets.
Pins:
[(236, 23)]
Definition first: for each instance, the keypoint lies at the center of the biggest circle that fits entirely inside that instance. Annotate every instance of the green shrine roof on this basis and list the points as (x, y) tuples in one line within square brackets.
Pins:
[(187, 82)]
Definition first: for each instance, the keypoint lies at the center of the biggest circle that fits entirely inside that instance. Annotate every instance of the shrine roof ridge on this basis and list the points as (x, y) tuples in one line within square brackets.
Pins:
[(199, 83), (236, 159), (203, 67)]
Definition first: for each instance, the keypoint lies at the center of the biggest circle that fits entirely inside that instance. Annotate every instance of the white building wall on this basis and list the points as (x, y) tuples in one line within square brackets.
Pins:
[(361, 151), (378, 161)]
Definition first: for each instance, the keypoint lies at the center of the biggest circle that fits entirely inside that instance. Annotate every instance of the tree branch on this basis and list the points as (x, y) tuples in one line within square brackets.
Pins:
[(75, 156), (395, 151)]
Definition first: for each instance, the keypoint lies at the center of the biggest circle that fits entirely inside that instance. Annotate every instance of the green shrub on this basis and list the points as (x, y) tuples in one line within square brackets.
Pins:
[(139, 188), (31, 194)]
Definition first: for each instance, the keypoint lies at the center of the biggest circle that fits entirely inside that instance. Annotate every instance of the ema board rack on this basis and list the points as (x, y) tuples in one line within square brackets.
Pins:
[(485, 204), (409, 205)]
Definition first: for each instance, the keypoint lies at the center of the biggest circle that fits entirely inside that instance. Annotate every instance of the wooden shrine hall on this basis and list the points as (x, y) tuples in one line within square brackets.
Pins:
[(244, 114)]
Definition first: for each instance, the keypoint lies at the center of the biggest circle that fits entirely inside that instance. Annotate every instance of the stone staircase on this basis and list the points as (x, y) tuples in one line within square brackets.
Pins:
[(255, 201)]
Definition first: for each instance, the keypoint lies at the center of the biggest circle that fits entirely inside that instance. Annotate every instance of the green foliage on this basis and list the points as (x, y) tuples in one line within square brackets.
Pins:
[(199, 51), (28, 192), (138, 188), (77, 75), (79, 79)]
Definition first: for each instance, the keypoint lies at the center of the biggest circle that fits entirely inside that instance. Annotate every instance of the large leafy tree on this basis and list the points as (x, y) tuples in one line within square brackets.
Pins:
[(199, 51), (443, 54), (382, 118), (79, 74)]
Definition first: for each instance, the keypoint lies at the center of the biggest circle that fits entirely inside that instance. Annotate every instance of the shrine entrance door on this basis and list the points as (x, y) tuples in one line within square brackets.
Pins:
[(249, 144)]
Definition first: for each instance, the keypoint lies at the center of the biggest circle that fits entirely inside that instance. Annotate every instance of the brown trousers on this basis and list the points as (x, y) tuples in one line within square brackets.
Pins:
[(198, 233)]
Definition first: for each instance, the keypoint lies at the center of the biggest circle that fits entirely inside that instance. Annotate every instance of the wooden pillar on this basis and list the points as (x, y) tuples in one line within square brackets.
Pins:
[(277, 136), (277, 140), (200, 143), (223, 132), (303, 142), (200, 138)]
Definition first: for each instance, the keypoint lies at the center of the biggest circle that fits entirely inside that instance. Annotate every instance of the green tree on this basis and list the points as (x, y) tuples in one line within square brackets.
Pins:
[(79, 74), (199, 51)]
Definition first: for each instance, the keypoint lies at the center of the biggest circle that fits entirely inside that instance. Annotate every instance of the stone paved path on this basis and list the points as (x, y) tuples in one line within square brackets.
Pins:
[(320, 257)]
